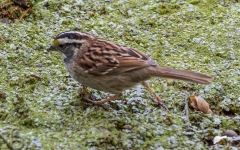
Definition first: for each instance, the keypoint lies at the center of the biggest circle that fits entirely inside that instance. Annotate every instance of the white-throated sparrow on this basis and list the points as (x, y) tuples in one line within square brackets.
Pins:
[(110, 67)]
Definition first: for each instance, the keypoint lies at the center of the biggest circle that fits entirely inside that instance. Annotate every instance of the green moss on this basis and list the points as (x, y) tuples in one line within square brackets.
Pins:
[(192, 35), (194, 2)]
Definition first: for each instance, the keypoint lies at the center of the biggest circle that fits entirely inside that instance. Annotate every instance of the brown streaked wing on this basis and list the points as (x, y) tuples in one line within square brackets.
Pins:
[(105, 57)]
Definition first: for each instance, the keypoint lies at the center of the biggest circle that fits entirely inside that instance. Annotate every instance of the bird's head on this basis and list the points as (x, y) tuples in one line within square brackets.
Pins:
[(67, 43)]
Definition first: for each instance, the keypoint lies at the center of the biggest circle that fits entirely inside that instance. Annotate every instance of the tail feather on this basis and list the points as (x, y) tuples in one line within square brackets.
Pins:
[(182, 75)]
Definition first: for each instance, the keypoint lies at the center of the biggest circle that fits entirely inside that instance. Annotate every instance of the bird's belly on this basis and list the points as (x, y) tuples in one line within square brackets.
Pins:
[(114, 84), (111, 84)]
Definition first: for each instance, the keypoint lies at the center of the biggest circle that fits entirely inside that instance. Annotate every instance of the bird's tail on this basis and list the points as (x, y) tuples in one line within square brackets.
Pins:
[(181, 75)]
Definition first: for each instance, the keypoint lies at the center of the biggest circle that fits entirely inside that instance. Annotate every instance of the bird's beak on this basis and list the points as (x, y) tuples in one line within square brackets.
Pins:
[(54, 46)]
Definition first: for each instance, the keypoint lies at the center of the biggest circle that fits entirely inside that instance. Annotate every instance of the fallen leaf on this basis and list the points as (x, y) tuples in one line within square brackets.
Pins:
[(230, 133), (217, 139), (200, 104)]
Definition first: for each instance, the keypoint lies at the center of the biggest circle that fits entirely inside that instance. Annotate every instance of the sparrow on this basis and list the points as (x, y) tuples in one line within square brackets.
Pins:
[(110, 67)]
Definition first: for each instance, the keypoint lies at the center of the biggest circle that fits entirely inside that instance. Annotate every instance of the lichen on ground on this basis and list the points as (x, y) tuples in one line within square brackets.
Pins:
[(39, 103)]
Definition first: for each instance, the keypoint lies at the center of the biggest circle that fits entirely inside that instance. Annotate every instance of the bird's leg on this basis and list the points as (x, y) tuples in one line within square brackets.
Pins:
[(101, 102), (114, 97), (86, 97), (145, 84)]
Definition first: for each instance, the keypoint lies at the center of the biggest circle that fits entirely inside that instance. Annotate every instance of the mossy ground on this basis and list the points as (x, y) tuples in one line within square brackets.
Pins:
[(42, 102)]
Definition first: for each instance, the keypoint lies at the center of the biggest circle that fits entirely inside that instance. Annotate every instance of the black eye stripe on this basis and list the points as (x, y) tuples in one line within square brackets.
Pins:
[(70, 44), (61, 45)]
